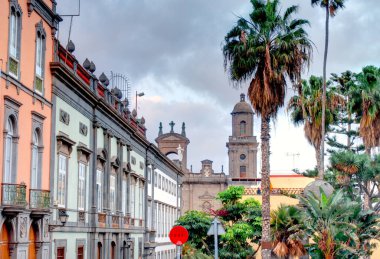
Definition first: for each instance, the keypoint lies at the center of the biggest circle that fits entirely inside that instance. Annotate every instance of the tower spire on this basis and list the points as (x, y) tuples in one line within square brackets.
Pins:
[(171, 126), (183, 133), (160, 129)]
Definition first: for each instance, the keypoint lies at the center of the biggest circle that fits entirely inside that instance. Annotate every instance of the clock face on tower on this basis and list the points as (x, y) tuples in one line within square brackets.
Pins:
[(242, 157)]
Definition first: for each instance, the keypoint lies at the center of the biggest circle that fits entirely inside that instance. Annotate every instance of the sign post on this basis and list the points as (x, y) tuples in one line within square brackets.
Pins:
[(178, 236), (216, 229)]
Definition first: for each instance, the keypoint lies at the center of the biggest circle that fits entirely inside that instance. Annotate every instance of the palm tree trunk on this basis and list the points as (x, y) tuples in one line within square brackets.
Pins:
[(348, 125), (318, 156), (322, 167), (367, 199), (265, 187)]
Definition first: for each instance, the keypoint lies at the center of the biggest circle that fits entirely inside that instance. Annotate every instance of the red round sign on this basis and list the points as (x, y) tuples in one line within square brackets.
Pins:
[(178, 235)]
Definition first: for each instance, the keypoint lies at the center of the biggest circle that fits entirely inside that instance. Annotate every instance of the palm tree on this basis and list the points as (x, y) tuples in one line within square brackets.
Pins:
[(285, 242), (331, 7), (305, 109), (368, 105), (266, 49), (327, 221)]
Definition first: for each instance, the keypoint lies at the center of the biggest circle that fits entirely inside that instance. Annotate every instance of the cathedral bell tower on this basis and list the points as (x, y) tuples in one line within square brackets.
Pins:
[(242, 145)]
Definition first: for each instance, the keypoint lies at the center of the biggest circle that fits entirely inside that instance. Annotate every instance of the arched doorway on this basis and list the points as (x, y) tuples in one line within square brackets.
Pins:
[(4, 242), (32, 242), (113, 248), (99, 252)]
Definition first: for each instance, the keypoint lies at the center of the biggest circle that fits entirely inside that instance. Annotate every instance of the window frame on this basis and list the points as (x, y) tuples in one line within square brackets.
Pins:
[(14, 53), (99, 191), (40, 37), (124, 189), (243, 128), (112, 196), (64, 196), (11, 111), (82, 179)]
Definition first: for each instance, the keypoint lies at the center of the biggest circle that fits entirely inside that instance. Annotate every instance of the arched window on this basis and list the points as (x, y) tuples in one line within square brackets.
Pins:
[(35, 160), (8, 152), (14, 37), (243, 126), (40, 58)]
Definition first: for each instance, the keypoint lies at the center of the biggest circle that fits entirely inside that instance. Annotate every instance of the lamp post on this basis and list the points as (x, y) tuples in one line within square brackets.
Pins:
[(138, 95), (63, 217)]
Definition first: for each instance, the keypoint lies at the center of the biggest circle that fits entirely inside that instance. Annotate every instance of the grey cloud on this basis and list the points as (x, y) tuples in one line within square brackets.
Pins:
[(180, 41)]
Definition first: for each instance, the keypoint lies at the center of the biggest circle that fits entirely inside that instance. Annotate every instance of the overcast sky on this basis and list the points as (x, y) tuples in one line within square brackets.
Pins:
[(171, 50)]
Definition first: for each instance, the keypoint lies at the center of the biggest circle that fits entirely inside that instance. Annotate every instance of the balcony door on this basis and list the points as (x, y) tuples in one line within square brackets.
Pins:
[(35, 164), (8, 157)]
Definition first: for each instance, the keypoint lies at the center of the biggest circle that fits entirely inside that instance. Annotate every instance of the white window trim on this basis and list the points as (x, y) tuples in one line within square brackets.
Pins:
[(61, 193), (82, 171), (99, 189), (112, 194)]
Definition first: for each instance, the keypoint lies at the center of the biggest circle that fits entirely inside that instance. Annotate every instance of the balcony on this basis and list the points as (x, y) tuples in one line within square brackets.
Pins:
[(39, 199), (13, 196)]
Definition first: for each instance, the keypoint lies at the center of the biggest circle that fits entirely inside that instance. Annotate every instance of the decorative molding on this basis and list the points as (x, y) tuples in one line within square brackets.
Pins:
[(82, 150), (83, 129), (115, 162), (64, 140), (64, 117), (206, 196)]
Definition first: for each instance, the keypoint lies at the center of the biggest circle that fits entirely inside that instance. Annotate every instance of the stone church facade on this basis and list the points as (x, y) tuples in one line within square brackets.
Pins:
[(200, 189)]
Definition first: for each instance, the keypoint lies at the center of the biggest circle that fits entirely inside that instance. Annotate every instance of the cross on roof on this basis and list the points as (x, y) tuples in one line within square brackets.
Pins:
[(172, 126)]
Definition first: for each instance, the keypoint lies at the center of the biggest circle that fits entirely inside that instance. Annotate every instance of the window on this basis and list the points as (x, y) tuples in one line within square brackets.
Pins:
[(132, 195), (141, 199), (60, 253), (35, 162), (14, 38), (242, 128), (243, 171), (149, 219), (8, 153), (159, 181), (149, 174), (141, 165), (99, 184), (62, 174), (40, 58), (80, 252), (81, 186), (133, 160), (113, 193), (155, 179), (124, 196)]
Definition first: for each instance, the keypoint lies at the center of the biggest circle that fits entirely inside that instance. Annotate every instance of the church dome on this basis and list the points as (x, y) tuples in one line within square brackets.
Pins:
[(242, 106)]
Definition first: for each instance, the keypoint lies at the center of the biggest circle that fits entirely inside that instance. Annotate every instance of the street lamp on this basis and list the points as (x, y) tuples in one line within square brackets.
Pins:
[(63, 216), (138, 95)]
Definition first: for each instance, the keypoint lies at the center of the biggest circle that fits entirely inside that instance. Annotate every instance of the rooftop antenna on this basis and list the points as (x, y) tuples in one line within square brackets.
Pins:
[(71, 24), (293, 155), (123, 84)]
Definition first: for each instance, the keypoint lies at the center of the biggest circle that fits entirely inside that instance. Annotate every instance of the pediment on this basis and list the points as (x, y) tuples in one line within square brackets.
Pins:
[(206, 196)]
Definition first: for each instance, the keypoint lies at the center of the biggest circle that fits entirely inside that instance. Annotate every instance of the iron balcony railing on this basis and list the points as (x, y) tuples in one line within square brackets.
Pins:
[(13, 194), (39, 199)]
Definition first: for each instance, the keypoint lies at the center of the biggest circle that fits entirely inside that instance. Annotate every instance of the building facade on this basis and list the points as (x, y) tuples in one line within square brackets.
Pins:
[(103, 171), (242, 144), (26, 49), (200, 189)]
